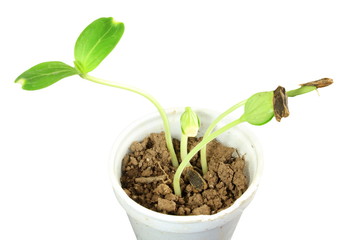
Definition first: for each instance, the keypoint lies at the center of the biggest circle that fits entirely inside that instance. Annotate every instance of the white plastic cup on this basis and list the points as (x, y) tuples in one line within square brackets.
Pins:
[(151, 225)]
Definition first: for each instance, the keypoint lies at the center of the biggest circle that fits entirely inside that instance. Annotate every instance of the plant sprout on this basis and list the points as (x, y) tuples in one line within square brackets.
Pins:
[(190, 124), (95, 42), (99, 38), (305, 88), (259, 109)]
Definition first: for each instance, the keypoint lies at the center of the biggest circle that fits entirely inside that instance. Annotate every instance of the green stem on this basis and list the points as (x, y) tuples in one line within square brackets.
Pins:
[(300, 90), (186, 160), (162, 112), (204, 165), (183, 146)]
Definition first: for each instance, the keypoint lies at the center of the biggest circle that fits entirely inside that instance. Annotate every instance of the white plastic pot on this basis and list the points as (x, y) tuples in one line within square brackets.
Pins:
[(151, 225)]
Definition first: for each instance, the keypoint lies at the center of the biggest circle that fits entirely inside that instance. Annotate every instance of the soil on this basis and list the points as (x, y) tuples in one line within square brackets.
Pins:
[(148, 173)]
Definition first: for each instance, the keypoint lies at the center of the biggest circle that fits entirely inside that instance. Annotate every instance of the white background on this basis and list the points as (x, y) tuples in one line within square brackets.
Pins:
[(55, 142)]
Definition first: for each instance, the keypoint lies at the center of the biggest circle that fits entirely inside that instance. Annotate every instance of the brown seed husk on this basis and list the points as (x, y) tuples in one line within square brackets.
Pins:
[(280, 101), (324, 82), (195, 179)]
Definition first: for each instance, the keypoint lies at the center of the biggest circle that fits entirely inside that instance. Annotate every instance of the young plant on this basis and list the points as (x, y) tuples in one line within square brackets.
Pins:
[(305, 88), (100, 38), (190, 124), (259, 109), (95, 42)]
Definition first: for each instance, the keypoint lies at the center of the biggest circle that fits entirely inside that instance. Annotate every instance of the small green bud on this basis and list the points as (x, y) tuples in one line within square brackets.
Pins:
[(190, 123)]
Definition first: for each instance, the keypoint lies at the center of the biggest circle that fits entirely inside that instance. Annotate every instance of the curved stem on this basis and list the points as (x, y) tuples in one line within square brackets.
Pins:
[(162, 112), (204, 165), (184, 163)]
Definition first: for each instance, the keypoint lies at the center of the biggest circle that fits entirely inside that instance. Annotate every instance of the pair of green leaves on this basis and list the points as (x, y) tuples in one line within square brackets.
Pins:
[(92, 46)]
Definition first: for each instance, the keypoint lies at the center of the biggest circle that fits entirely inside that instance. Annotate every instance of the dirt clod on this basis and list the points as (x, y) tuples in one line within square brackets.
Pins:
[(163, 189), (148, 173), (166, 205), (203, 210)]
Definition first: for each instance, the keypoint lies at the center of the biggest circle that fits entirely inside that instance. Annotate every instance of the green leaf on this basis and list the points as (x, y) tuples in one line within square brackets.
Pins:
[(259, 108), (44, 75), (96, 42)]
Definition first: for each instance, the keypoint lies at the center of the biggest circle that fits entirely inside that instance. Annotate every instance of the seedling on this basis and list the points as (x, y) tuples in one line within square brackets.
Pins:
[(100, 38), (92, 46), (259, 109), (190, 124)]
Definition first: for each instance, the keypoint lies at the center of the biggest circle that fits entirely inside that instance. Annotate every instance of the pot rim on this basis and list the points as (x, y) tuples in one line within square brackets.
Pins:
[(174, 218)]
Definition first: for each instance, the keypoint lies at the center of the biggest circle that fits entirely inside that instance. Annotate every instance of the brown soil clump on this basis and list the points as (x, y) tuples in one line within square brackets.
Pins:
[(148, 173)]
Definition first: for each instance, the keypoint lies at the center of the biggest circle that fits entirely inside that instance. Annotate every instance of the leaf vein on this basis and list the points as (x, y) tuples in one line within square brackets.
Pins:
[(96, 44), (47, 74)]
